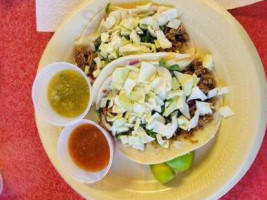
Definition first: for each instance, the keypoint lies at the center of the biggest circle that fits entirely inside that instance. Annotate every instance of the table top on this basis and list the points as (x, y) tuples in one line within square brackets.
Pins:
[(26, 169)]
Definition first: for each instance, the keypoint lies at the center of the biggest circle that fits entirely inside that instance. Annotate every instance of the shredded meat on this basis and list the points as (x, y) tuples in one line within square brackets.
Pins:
[(105, 111), (212, 101), (178, 37), (203, 120), (192, 109), (207, 81), (178, 34), (84, 56)]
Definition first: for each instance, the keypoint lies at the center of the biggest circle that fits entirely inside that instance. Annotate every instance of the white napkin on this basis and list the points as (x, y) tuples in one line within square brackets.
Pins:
[(50, 13)]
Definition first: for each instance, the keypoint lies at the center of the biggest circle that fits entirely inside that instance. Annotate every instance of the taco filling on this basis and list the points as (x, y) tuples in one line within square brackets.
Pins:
[(153, 101), (124, 31)]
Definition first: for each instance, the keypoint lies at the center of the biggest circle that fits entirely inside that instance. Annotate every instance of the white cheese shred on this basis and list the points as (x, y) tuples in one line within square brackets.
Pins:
[(226, 111)]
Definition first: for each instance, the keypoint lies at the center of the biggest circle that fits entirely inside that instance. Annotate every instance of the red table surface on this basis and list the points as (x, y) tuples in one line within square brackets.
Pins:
[(26, 169)]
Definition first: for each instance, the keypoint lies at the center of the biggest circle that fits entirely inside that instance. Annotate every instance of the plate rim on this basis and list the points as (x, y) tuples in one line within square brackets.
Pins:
[(262, 126), (228, 185)]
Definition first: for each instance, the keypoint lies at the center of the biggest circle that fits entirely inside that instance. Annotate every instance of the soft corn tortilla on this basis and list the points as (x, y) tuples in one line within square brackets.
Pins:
[(154, 153)]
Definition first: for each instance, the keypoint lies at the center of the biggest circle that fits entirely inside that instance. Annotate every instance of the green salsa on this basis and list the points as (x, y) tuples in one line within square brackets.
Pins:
[(68, 93)]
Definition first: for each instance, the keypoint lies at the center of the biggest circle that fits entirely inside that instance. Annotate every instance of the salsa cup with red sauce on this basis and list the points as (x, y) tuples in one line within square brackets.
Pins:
[(86, 150)]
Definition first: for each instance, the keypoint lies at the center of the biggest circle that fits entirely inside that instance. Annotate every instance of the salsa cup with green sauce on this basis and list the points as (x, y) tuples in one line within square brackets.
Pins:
[(61, 94)]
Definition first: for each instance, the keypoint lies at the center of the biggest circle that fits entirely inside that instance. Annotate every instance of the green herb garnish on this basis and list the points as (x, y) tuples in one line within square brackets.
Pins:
[(97, 44), (151, 133), (107, 8), (162, 62), (100, 110), (162, 28), (174, 67), (163, 108), (118, 136), (127, 37), (147, 37)]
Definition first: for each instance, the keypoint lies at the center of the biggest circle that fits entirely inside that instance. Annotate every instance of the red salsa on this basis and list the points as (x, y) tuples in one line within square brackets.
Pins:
[(89, 148)]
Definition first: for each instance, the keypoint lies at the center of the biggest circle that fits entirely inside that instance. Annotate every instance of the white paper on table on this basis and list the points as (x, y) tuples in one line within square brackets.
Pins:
[(50, 13)]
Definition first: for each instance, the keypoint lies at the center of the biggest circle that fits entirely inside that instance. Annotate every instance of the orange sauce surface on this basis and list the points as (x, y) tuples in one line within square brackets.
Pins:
[(89, 148)]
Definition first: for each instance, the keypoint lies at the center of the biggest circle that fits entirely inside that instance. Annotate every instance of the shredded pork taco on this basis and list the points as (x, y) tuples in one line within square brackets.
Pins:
[(160, 105), (119, 31)]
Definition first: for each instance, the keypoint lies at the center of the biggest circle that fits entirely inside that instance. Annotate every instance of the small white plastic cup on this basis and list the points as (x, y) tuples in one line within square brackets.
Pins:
[(69, 165), (40, 98)]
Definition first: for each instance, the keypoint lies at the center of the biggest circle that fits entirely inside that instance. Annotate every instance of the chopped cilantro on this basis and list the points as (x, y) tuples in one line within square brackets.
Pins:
[(127, 37), (108, 60), (151, 133), (163, 108), (162, 62), (100, 110), (162, 28), (174, 67), (97, 44), (107, 8), (118, 136), (147, 37)]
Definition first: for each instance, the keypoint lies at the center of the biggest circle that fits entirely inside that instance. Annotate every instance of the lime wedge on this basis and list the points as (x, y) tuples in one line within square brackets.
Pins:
[(162, 172), (181, 163)]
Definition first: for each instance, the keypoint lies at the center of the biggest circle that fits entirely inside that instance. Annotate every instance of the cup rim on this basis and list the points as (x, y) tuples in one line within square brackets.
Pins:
[(61, 140), (42, 113)]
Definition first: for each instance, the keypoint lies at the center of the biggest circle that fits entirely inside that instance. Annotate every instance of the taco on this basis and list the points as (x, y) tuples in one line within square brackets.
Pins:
[(160, 105), (121, 30)]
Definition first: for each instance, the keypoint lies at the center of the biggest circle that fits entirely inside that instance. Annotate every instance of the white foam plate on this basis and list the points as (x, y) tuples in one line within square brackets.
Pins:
[(220, 164)]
